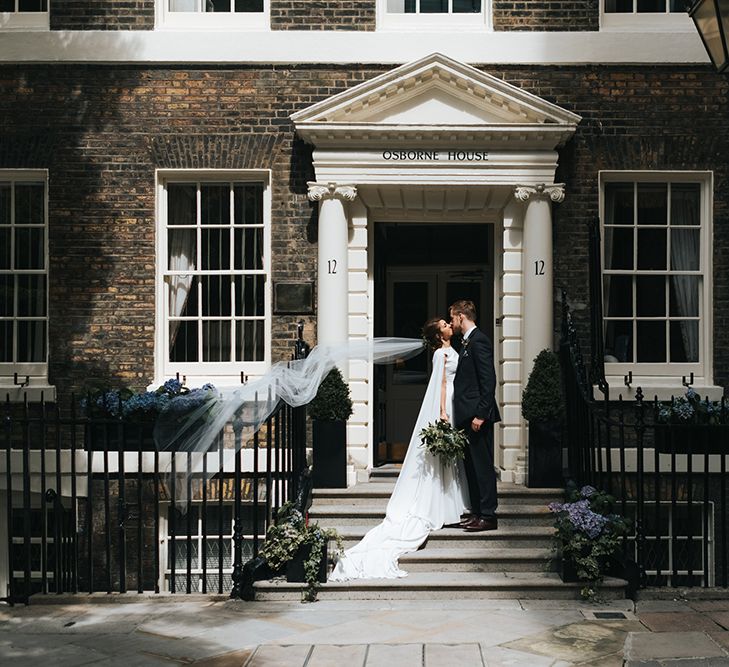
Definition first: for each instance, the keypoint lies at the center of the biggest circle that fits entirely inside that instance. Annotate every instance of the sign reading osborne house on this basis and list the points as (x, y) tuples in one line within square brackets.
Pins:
[(435, 155)]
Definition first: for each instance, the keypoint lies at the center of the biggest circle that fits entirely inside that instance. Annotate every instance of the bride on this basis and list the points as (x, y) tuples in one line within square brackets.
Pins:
[(427, 494)]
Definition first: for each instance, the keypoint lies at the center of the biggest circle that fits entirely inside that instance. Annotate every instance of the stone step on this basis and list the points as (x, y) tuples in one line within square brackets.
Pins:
[(378, 494), (365, 515), (484, 559), (444, 586), (386, 473), (506, 537)]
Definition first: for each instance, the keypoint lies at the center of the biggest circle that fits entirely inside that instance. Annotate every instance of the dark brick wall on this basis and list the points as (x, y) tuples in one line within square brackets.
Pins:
[(103, 132), (323, 14), (102, 14), (542, 15)]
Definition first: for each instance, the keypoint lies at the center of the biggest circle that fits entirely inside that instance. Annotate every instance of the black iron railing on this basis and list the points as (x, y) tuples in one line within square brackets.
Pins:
[(92, 506)]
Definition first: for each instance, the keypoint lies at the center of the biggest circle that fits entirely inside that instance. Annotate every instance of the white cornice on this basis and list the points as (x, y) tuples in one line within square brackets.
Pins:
[(332, 47)]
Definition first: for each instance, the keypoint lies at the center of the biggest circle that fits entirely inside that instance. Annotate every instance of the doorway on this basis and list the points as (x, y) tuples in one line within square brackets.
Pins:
[(420, 269)]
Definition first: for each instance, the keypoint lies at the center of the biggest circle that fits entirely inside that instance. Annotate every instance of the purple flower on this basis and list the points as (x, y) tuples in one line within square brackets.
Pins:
[(588, 491), (173, 386)]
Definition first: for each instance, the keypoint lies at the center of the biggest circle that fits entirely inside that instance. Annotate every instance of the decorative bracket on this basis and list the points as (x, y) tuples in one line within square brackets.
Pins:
[(555, 192), (319, 191)]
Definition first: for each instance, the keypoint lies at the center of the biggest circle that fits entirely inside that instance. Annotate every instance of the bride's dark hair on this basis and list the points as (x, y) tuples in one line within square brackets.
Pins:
[(431, 333)]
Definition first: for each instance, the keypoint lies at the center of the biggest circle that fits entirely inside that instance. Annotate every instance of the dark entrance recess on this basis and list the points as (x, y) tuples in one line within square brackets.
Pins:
[(420, 269)]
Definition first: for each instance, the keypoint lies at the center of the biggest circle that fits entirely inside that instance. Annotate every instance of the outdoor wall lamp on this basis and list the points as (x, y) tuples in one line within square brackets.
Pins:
[(711, 18)]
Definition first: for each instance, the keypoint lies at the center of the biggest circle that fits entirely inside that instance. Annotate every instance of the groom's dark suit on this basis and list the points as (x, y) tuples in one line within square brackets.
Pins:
[(474, 390)]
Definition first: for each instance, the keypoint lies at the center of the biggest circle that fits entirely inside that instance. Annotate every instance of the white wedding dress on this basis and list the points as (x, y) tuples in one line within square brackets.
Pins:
[(427, 494)]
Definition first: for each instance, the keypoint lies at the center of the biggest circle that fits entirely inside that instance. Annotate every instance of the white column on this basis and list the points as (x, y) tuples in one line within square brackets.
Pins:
[(538, 321), (332, 281)]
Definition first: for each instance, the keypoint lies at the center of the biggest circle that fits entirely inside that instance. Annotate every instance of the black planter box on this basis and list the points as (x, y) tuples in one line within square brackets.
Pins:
[(329, 454), (545, 455), (568, 571), (295, 572), (117, 436), (694, 438)]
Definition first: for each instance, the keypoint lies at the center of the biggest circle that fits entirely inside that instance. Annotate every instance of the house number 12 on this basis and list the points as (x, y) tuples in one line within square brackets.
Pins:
[(332, 266), (539, 267)]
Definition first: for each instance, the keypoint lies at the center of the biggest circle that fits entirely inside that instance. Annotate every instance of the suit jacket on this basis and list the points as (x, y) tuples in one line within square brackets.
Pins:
[(474, 387)]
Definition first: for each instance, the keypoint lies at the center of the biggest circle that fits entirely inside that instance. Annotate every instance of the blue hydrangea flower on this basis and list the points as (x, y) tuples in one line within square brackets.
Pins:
[(588, 491), (690, 393), (146, 402), (173, 386)]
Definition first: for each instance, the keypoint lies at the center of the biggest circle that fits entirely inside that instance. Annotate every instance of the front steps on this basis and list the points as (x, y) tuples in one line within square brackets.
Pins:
[(515, 561)]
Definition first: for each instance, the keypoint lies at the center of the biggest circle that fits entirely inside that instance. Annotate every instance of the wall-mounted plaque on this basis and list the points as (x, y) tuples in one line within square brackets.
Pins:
[(293, 298)]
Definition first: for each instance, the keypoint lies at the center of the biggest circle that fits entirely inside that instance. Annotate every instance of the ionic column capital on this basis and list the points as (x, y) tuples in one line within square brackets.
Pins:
[(555, 192), (319, 191)]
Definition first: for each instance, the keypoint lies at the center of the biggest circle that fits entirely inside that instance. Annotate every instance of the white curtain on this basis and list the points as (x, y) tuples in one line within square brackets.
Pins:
[(685, 257), (181, 253)]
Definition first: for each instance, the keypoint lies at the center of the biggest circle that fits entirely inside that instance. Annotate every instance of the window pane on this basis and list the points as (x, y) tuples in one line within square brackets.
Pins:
[(249, 248), (619, 341), (183, 341), (212, 554), (652, 203), (433, 6), (217, 5), (685, 203), (213, 579), (5, 199), (619, 203), (466, 6), (685, 249), (180, 520), (183, 296), (181, 249), (7, 297), (216, 295), (182, 204), (249, 295), (5, 246), (7, 5), (651, 249), (212, 522), (215, 204), (651, 5), (619, 301), (684, 296), (685, 341), (29, 209), (249, 5), (651, 342), (6, 341), (618, 248), (248, 204), (677, 6), (29, 248), (401, 6), (250, 339), (216, 341), (180, 554), (31, 296), (247, 520), (650, 293), (33, 5), (183, 5), (622, 6), (215, 249), (31, 341)]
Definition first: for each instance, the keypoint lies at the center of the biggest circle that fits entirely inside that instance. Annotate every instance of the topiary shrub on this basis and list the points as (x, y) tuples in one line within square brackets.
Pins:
[(542, 400), (332, 402)]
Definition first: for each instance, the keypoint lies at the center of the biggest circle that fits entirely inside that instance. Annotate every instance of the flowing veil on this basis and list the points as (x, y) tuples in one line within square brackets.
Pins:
[(296, 382)]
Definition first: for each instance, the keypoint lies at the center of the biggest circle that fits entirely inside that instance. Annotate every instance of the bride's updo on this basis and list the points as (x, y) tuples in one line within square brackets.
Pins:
[(431, 333)]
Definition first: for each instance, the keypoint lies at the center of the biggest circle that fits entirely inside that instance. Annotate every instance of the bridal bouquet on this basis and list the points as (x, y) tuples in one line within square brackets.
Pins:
[(441, 439)]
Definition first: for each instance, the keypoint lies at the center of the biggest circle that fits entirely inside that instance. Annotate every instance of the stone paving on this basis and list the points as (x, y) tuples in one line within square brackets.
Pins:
[(194, 630)]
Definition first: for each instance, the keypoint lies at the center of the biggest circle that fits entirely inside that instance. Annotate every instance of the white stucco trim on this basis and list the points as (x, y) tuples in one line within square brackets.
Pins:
[(344, 47)]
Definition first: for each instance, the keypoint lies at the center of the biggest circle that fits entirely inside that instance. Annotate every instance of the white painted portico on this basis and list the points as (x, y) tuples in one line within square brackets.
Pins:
[(438, 140)]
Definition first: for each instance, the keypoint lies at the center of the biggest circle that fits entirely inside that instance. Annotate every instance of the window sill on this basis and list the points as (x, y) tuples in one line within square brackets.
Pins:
[(37, 389), (206, 22), (647, 23), (663, 388), (24, 21)]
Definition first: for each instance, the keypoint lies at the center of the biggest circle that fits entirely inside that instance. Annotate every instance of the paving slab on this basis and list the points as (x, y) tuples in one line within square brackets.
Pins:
[(389, 655), (337, 656), (647, 606), (709, 605), (498, 656), (677, 621), (720, 617), (280, 656), (607, 605), (28, 651), (578, 642), (721, 638), (231, 659), (438, 655), (650, 646)]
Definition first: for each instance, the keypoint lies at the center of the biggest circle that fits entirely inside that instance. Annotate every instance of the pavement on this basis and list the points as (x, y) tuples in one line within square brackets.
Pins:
[(134, 630)]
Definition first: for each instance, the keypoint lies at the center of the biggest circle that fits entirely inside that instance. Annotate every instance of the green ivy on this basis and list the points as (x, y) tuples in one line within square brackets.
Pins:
[(542, 400), (333, 401)]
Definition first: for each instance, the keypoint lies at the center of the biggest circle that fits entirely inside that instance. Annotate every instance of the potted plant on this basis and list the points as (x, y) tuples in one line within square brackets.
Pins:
[(299, 549), (688, 424), (588, 536), (542, 406), (329, 410)]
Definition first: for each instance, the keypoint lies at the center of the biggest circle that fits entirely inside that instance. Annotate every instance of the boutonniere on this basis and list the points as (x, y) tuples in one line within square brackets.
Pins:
[(466, 343)]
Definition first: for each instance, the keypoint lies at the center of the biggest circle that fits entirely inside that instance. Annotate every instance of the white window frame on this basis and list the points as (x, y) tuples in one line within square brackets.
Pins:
[(25, 21), (480, 22), (223, 373), (645, 21), (167, 20), (36, 371), (667, 372)]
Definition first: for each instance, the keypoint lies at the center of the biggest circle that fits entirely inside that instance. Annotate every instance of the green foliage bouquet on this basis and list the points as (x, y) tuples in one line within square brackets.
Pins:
[(589, 533), (443, 440)]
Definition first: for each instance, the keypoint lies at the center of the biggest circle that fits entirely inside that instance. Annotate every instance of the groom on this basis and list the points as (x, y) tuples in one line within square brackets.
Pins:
[(476, 412)]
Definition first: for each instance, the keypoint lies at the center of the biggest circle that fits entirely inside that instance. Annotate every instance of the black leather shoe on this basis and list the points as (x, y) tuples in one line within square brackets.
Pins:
[(481, 524)]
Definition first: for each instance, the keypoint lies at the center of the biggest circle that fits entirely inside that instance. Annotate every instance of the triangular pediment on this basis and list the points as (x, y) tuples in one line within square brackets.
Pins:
[(434, 92)]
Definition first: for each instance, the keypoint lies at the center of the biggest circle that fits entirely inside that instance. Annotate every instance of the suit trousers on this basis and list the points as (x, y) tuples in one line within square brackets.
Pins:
[(480, 473)]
